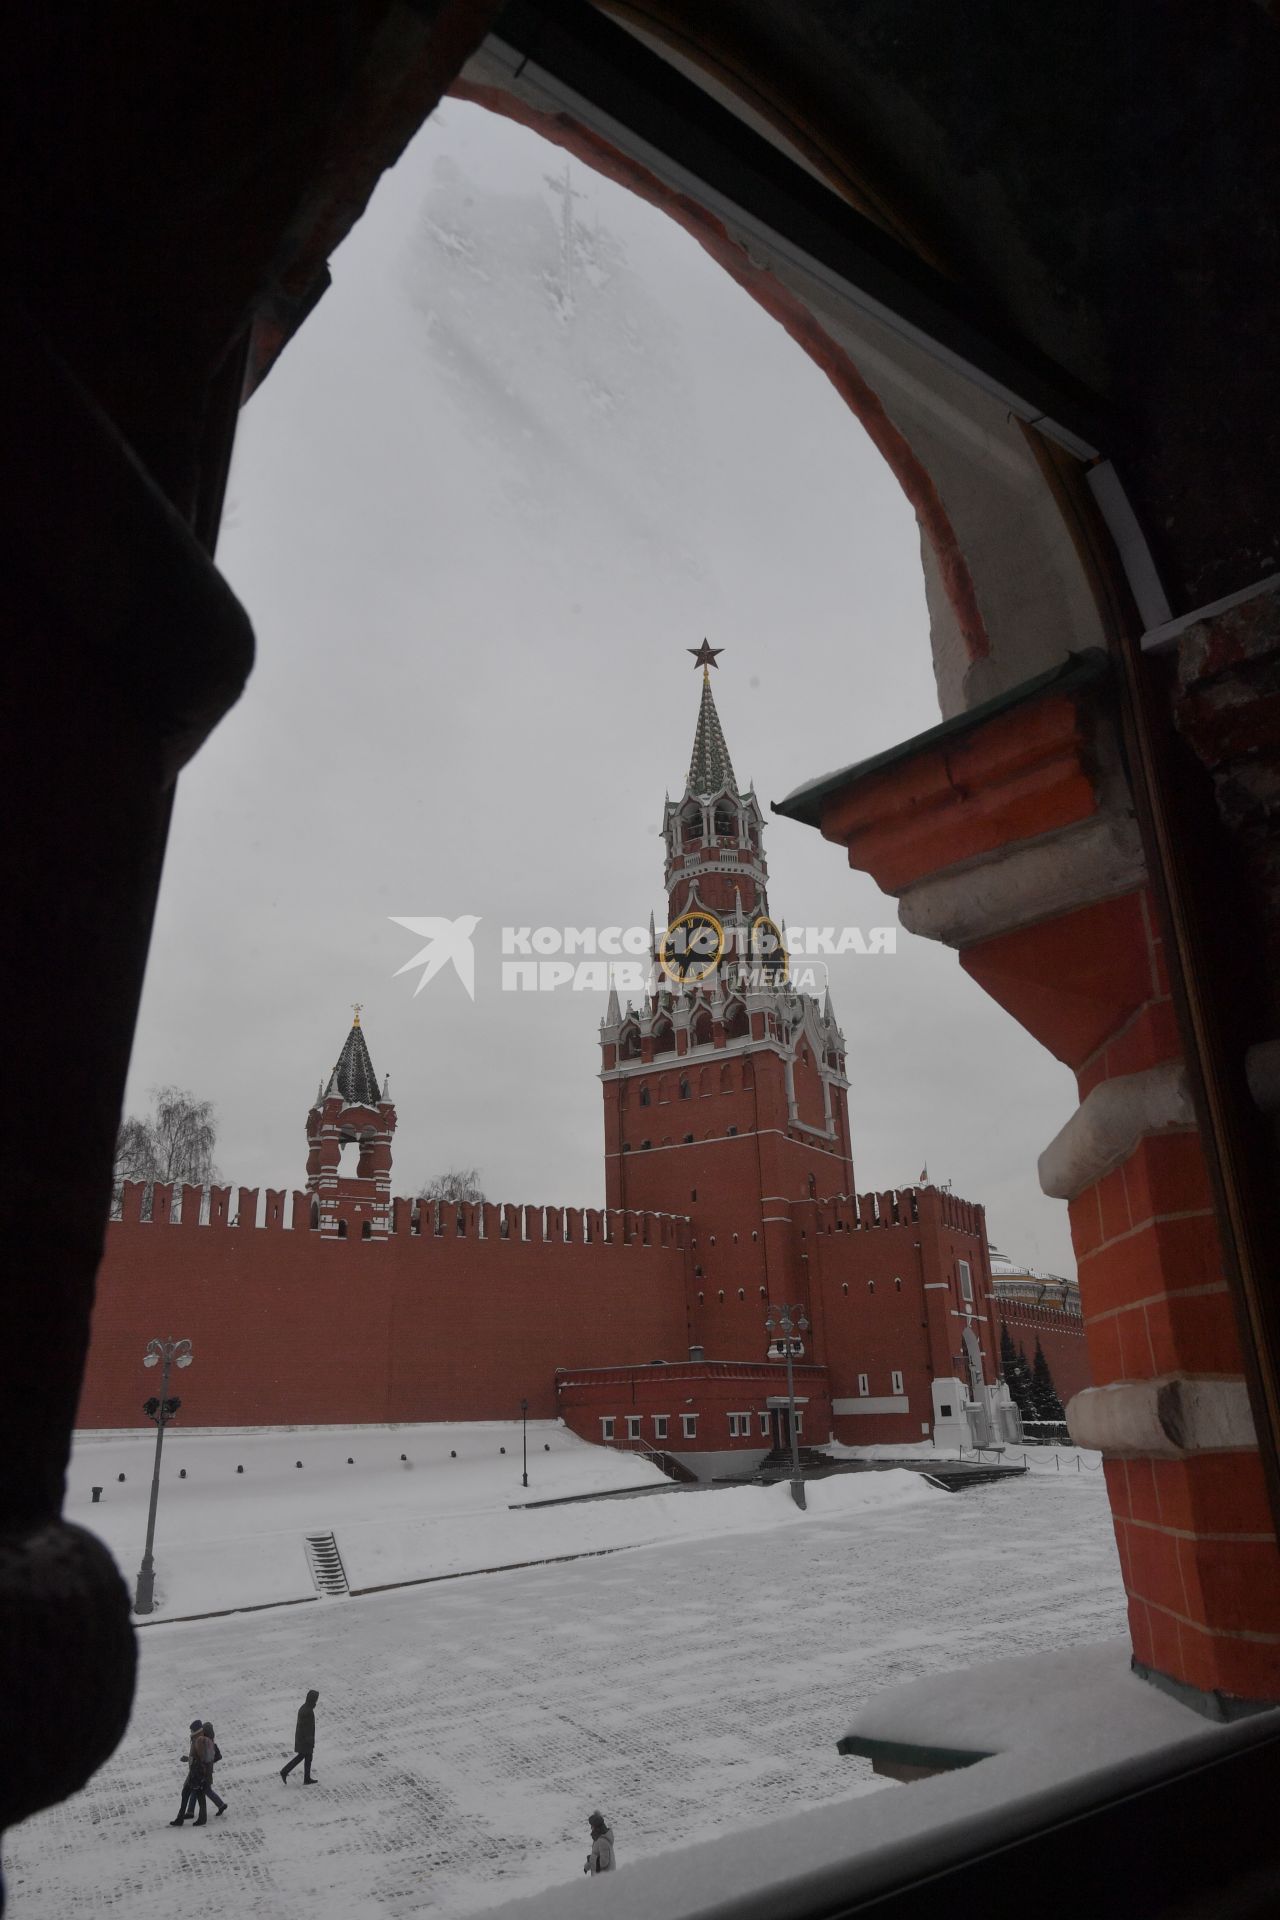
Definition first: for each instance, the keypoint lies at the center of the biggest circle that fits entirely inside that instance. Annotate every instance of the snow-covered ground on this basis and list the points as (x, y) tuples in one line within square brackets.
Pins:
[(227, 1539), (1036, 1459), (467, 1729), (453, 1505)]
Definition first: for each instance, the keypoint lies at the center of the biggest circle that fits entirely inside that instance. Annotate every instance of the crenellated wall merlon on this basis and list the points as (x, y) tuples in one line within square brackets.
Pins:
[(146, 1205)]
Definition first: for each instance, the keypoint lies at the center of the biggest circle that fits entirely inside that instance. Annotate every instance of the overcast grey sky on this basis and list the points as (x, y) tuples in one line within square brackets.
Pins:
[(488, 496)]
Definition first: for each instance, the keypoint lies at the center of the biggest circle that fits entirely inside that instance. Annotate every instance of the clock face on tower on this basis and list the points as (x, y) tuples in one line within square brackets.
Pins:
[(691, 947)]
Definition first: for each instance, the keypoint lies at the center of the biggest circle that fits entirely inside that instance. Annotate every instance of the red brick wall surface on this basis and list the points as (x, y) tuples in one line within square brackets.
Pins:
[(286, 1328), (1060, 1334), (886, 1297)]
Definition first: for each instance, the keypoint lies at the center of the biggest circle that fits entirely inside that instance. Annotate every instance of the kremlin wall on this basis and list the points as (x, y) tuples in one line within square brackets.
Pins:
[(730, 1189)]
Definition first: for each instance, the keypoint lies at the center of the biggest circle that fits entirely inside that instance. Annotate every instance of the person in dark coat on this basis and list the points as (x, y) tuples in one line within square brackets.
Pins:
[(189, 1787), (601, 1858), (214, 1757), (304, 1740), (199, 1777)]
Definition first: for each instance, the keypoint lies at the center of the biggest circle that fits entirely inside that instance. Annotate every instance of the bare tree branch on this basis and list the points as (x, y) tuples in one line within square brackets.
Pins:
[(175, 1141), (458, 1186)]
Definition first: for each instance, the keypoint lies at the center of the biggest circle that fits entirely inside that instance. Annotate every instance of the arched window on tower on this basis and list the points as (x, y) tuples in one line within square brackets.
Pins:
[(702, 1029), (736, 1024), (644, 1096), (685, 1089), (726, 822), (629, 1042), (692, 823), (664, 1037)]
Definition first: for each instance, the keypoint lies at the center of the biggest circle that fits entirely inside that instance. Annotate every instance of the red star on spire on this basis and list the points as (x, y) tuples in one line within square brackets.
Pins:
[(704, 656)]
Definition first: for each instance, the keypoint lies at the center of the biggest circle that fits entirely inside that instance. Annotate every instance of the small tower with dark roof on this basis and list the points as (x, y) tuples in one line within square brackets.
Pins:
[(351, 1115)]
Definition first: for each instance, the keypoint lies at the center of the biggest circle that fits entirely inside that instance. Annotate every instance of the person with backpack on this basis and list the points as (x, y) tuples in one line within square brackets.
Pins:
[(304, 1740), (601, 1858), (214, 1756)]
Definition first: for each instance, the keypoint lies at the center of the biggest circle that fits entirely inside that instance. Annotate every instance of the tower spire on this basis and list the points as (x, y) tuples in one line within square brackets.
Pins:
[(710, 768)]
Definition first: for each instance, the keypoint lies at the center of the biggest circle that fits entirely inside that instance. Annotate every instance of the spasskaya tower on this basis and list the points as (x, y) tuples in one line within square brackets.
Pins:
[(725, 1094)]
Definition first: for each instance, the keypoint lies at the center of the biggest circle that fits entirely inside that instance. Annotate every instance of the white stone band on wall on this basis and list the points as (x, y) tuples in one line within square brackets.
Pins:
[(1168, 1417), (1108, 1124)]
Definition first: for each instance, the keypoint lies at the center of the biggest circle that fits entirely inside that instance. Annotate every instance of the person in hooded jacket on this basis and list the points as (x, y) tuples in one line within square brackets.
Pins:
[(189, 1787), (215, 1754), (199, 1777), (600, 1859), (304, 1740)]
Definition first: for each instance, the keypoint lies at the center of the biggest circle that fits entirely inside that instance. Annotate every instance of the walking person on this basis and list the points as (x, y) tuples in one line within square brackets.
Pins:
[(304, 1740), (600, 1859), (199, 1776), (214, 1756), (187, 1803)]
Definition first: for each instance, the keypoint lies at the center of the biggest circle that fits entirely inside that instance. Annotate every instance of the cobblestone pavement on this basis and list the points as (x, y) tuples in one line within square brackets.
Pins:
[(466, 1730)]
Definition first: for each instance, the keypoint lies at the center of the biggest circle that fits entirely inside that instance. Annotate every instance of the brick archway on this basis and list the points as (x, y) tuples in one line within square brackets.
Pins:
[(1014, 837)]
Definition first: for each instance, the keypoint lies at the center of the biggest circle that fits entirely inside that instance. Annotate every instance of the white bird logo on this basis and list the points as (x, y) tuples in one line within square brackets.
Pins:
[(447, 941)]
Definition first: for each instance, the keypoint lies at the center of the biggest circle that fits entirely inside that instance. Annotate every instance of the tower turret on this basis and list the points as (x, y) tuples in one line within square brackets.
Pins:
[(352, 1120)]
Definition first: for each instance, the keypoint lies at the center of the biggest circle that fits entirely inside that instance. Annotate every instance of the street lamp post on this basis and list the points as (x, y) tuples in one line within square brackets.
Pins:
[(165, 1354), (786, 1322), (524, 1439)]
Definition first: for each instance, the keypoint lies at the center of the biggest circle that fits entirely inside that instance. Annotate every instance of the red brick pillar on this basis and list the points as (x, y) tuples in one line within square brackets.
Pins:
[(1009, 835)]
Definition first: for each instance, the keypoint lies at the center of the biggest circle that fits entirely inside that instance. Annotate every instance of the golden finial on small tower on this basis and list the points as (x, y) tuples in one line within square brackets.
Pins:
[(355, 1008)]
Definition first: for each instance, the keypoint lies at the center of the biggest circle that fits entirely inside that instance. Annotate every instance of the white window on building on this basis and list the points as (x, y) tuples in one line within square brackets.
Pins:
[(766, 1426), (895, 1383), (863, 1387), (606, 1426), (689, 1425), (799, 1421), (739, 1426), (661, 1422), (966, 1279), (633, 1426)]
